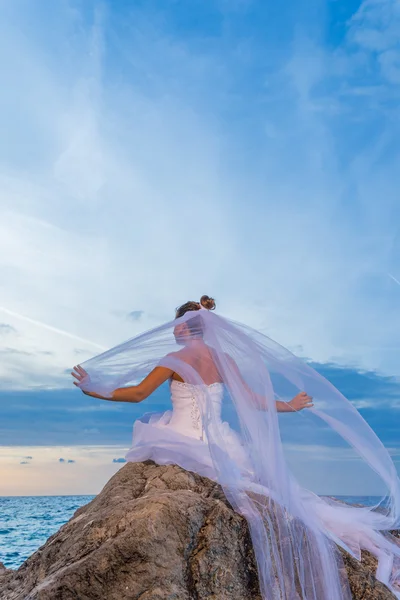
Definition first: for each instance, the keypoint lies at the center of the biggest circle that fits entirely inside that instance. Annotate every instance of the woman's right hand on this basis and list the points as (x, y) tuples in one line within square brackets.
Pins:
[(81, 375), (302, 400)]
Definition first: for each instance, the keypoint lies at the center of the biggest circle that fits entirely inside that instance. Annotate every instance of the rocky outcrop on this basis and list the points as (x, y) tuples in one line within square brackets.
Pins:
[(363, 584), (5, 575), (154, 533)]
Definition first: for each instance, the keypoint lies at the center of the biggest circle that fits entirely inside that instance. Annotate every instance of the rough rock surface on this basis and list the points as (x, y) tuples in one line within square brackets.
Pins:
[(154, 533)]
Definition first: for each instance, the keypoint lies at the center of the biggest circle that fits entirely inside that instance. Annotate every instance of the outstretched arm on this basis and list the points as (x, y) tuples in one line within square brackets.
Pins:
[(133, 393), (300, 401)]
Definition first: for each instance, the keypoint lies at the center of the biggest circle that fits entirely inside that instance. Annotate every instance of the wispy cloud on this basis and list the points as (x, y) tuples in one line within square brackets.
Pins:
[(48, 327), (5, 328), (135, 315), (375, 29), (394, 279)]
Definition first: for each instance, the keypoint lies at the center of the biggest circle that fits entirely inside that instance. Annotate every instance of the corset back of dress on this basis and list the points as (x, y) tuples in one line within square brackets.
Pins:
[(187, 401)]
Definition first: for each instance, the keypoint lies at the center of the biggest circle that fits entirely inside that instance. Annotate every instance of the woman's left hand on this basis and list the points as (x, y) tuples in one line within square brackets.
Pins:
[(302, 400)]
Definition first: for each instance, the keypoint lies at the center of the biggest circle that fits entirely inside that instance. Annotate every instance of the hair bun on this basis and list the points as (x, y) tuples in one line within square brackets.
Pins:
[(207, 302)]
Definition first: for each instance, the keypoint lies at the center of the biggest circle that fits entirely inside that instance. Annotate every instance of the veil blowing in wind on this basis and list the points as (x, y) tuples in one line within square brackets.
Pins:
[(273, 432)]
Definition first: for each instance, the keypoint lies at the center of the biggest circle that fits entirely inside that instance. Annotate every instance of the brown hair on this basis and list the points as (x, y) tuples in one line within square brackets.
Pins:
[(205, 301)]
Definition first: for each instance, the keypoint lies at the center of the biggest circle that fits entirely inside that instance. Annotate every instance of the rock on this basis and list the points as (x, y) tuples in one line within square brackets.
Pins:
[(5, 576), (154, 533), (362, 582)]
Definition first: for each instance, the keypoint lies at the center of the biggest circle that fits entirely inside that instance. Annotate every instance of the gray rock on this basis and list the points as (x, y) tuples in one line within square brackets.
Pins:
[(154, 533), (5, 575)]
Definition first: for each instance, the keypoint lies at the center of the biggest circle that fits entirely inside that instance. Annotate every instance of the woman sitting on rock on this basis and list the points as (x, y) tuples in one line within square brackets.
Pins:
[(229, 385)]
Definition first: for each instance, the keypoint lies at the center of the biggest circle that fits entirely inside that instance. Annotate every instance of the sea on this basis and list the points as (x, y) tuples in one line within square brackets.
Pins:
[(26, 522)]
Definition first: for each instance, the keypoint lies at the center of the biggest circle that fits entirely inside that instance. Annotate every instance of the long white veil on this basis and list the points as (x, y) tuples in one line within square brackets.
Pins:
[(292, 458)]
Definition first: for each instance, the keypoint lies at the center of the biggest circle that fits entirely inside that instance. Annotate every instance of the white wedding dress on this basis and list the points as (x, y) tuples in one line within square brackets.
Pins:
[(178, 437)]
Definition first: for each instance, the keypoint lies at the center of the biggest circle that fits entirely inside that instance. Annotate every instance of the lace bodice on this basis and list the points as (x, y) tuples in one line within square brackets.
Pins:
[(188, 403)]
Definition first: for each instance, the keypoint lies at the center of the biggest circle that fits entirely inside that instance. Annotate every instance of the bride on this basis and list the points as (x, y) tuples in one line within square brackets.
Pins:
[(229, 385)]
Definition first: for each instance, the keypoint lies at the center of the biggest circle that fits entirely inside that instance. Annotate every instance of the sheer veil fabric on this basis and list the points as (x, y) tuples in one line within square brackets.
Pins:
[(293, 460)]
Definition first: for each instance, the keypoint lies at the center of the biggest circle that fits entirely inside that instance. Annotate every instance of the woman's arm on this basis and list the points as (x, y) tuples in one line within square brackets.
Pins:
[(300, 401), (133, 393)]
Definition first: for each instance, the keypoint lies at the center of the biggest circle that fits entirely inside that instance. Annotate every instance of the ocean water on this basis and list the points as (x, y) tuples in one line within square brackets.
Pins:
[(27, 521)]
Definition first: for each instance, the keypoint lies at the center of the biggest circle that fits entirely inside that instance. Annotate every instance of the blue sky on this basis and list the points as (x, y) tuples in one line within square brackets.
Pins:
[(155, 151)]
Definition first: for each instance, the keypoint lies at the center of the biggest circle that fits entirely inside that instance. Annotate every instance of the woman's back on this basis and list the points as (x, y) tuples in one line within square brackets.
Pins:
[(200, 357)]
